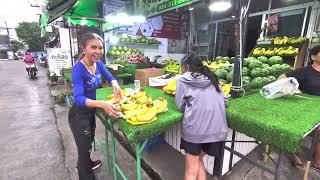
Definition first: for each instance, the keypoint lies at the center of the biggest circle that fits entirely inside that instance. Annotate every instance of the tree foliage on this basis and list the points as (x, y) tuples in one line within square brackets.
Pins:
[(30, 34), (16, 45)]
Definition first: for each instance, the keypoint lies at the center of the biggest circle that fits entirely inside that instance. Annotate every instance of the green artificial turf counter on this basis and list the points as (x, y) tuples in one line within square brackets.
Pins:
[(138, 133), (281, 122)]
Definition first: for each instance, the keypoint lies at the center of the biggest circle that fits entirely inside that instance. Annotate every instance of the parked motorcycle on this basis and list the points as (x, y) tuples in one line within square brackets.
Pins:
[(44, 61)]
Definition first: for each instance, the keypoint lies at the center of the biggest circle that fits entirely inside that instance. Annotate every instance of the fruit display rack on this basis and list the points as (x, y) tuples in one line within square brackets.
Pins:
[(293, 54)]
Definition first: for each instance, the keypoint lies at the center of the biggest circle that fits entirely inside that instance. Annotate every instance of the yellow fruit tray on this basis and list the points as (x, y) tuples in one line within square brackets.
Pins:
[(137, 133)]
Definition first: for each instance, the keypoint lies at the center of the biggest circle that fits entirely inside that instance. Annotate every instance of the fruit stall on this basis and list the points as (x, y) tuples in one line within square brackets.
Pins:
[(279, 123)]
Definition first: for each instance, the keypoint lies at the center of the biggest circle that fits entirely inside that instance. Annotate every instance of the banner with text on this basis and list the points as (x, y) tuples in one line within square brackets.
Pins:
[(58, 59), (151, 8)]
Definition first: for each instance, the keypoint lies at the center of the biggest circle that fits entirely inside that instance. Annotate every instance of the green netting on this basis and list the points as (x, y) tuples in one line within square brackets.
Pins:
[(280, 122), (138, 133)]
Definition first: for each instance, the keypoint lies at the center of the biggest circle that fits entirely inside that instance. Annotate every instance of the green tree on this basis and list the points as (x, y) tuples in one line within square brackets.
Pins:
[(30, 34), (16, 45)]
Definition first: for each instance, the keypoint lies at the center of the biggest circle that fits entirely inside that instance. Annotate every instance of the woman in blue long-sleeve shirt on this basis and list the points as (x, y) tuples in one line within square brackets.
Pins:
[(87, 76)]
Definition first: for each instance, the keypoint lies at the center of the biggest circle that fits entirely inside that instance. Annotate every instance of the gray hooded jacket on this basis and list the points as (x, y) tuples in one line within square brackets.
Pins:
[(204, 118)]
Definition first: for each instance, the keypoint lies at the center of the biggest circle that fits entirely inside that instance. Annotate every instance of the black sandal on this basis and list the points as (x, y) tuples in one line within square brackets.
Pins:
[(315, 168), (299, 166)]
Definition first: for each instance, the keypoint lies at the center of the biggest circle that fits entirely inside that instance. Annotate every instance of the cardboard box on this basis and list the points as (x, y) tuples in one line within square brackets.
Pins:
[(143, 75)]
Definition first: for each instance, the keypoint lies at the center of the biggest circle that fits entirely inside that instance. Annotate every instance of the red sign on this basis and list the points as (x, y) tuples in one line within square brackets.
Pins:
[(167, 25)]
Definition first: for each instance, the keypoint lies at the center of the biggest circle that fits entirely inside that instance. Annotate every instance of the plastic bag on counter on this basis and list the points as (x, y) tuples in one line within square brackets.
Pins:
[(280, 88)]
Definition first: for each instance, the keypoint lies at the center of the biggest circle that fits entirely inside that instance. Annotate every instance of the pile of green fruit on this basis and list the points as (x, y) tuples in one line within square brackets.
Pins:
[(122, 51), (129, 39), (153, 41), (256, 72), (141, 39), (172, 66)]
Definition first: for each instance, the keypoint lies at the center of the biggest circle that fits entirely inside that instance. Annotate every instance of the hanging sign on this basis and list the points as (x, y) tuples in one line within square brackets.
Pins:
[(167, 25), (58, 59), (151, 8)]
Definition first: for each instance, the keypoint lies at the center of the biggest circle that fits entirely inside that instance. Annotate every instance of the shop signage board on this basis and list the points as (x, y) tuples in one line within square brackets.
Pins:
[(167, 25), (151, 8), (58, 59)]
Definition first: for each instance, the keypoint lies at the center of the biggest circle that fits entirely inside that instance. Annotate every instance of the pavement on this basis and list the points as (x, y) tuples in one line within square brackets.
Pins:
[(31, 145)]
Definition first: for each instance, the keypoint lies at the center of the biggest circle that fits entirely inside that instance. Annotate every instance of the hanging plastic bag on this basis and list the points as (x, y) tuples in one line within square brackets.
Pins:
[(279, 88)]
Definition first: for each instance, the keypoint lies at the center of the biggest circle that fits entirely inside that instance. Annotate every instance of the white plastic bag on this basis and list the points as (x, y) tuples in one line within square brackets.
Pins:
[(279, 88)]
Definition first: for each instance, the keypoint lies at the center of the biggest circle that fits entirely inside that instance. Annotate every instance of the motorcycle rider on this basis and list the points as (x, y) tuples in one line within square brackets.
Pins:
[(28, 58)]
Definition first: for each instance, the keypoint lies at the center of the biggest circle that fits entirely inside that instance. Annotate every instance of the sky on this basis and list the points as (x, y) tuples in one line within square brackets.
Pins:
[(15, 11)]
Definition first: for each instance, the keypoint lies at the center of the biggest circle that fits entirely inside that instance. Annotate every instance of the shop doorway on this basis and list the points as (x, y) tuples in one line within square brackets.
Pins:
[(253, 32)]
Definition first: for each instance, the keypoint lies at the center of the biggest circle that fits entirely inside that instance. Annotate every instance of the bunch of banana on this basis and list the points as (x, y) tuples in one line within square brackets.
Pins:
[(226, 87), (213, 65), (142, 115), (259, 51), (160, 105), (138, 108), (281, 41), (276, 51), (170, 88), (296, 40)]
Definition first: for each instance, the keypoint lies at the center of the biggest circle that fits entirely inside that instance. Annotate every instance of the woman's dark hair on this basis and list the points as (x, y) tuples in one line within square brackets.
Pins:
[(314, 51), (197, 69), (87, 37)]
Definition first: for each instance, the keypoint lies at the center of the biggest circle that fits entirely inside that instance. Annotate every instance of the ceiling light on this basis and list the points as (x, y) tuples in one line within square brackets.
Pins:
[(219, 6)]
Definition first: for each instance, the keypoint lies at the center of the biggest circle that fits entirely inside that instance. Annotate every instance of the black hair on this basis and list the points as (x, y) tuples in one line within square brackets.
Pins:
[(197, 68), (314, 51), (87, 37)]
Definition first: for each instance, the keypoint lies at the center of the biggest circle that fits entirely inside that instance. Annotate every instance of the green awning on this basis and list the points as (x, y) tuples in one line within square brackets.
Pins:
[(57, 8), (43, 23), (85, 12), (80, 12)]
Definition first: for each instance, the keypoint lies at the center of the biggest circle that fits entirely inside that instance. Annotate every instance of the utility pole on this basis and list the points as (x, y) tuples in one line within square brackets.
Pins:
[(8, 38)]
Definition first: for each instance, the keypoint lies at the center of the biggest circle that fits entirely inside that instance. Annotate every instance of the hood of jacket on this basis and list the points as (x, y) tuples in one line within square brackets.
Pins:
[(200, 81)]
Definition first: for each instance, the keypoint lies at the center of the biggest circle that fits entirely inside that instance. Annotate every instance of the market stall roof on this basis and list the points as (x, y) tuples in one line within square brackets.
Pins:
[(82, 12)]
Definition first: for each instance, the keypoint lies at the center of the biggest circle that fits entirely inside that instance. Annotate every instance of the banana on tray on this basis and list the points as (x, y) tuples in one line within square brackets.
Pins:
[(139, 108)]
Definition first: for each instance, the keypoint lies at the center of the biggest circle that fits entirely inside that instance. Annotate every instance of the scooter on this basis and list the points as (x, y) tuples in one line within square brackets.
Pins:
[(44, 61), (31, 68)]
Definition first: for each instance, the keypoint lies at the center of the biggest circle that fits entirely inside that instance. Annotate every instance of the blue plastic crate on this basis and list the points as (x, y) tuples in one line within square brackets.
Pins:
[(153, 143)]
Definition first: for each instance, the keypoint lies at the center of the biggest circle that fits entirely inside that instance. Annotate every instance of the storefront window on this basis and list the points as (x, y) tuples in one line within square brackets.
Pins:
[(284, 3), (225, 45), (289, 23), (258, 6)]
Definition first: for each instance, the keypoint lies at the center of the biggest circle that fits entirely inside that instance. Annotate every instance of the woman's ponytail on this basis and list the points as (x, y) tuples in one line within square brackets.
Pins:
[(211, 76)]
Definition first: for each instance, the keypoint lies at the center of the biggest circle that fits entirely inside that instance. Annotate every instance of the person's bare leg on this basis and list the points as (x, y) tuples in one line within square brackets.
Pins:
[(297, 162), (316, 162), (202, 175), (192, 167)]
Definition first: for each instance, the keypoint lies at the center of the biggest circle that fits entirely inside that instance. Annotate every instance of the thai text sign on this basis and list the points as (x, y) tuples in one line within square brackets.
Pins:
[(154, 7)]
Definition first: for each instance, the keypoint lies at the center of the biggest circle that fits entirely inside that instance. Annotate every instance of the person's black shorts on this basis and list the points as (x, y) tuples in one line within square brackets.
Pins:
[(212, 149)]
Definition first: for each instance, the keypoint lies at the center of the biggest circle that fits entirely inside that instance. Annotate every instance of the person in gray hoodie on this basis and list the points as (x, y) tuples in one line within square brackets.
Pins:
[(204, 126)]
